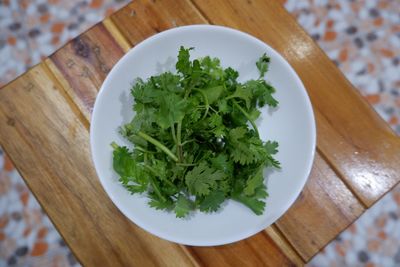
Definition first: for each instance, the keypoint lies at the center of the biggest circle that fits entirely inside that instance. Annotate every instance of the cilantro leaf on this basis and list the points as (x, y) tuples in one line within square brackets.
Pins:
[(256, 205), (123, 163), (144, 92), (172, 110), (237, 133), (218, 127), (159, 167), (262, 93), (158, 204), (215, 120), (184, 65), (212, 202), (254, 182), (132, 175), (168, 82), (243, 93), (245, 148), (224, 107), (231, 76), (222, 163), (202, 179), (263, 64), (183, 206), (213, 93), (142, 121), (253, 202), (254, 114), (261, 192), (271, 147), (212, 67)]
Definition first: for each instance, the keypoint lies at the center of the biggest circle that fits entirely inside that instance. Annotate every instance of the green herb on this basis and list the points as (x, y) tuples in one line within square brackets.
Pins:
[(193, 148)]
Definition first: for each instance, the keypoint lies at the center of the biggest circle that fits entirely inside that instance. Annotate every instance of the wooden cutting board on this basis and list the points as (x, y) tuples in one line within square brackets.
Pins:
[(45, 116)]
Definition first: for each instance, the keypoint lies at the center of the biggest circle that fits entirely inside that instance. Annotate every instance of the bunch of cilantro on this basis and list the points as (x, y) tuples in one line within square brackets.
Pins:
[(193, 144)]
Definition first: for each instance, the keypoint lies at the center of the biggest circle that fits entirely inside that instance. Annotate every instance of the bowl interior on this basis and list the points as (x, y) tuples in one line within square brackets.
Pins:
[(291, 124)]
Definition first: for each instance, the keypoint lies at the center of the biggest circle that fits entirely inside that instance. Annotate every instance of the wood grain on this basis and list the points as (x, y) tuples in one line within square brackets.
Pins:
[(324, 208), (258, 250), (367, 154), (280, 240), (50, 147), (82, 65), (142, 18)]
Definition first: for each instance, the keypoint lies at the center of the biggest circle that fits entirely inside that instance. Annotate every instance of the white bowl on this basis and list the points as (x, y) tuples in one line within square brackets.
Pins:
[(292, 125)]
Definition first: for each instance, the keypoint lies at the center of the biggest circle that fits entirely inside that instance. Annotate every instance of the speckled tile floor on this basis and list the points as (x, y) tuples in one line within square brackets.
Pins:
[(362, 37)]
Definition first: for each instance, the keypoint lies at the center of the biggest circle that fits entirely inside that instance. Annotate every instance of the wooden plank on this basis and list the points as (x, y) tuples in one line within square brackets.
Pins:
[(323, 209), (258, 250), (368, 155), (143, 18), (82, 65), (44, 135)]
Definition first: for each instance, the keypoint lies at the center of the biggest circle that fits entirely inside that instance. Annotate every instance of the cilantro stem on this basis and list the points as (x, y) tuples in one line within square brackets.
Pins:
[(151, 169), (187, 92), (114, 145), (186, 164), (173, 132), (144, 150), (156, 189), (178, 140), (216, 111), (247, 116), (179, 150), (205, 101), (188, 141), (157, 144)]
